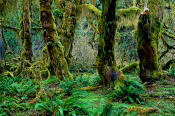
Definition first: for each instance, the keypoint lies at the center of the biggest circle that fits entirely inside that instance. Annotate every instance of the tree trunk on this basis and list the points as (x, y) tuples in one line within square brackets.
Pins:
[(55, 48), (68, 25), (26, 23), (148, 34), (105, 59)]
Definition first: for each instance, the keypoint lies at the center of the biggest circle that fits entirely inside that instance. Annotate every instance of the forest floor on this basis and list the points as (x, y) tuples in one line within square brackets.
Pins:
[(21, 96)]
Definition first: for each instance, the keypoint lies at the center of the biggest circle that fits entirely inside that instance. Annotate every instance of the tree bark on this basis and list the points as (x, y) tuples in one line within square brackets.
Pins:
[(68, 25), (26, 23), (148, 34), (106, 42), (55, 48)]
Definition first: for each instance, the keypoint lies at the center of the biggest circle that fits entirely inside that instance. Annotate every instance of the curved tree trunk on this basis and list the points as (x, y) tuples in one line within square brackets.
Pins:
[(27, 42), (66, 28), (55, 49), (105, 59), (148, 34)]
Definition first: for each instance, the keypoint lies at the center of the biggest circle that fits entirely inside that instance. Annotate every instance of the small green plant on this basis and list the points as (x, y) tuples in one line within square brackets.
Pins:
[(79, 103), (87, 80), (20, 87), (131, 92), (48, 106), (171, 71), (68, 86)]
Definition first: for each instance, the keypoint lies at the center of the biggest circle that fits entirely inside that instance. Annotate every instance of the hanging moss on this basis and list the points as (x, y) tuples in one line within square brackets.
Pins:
[(91, 8), (130, 12)]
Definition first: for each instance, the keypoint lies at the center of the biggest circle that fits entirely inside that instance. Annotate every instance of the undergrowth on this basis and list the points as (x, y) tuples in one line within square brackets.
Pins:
[(17, 93), (130, 93)]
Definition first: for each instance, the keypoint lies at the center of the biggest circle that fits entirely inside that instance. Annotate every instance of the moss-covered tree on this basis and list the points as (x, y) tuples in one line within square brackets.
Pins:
[(26, 32), (55, 48), (105, 59), (68, 14), (66, 22), (148, 34)]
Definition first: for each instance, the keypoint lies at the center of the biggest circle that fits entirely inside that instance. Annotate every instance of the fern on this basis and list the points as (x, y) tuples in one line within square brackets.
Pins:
[(131, 92)]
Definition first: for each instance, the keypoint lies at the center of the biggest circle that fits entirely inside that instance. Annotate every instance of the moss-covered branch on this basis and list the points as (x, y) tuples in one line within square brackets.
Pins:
[(169, 35), (90, 9), (129, 13), (169, 47), (130, 68), (93, 26), (54, 47)]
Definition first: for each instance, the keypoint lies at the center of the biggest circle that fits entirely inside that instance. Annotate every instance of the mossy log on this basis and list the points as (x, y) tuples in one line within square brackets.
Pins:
[(147, 48), (142, 110), (90, 88), (55, 48), (130, 68)]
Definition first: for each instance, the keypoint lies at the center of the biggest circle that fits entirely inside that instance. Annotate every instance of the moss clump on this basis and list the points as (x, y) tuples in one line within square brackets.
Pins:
[(91, 8), (131, 67), (157, 75), (130, 12)]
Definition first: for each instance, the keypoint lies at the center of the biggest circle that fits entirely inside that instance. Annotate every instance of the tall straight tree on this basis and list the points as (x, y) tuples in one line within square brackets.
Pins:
[(148, 34), (54, 47), (106, 41), (26, 23)]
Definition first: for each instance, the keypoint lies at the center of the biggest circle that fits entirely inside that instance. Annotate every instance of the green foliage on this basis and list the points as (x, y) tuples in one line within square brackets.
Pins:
[(12, 41), (80, 103), (69, 86), (49, 106), (171, 71), (131, 92), (87, 80), (13, 93), (17, 86), (57, 13), (118, 110), (127, 46)]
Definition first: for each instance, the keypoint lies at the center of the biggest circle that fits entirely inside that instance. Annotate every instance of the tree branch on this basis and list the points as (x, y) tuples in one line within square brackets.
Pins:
[(169, 35), (169, 47)]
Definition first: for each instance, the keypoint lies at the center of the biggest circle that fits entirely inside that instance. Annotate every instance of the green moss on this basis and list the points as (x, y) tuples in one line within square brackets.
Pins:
[(157, 75), (155, 49), (128, 12), (131, 67), (55, 48), (147, 38), (92, 9)]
